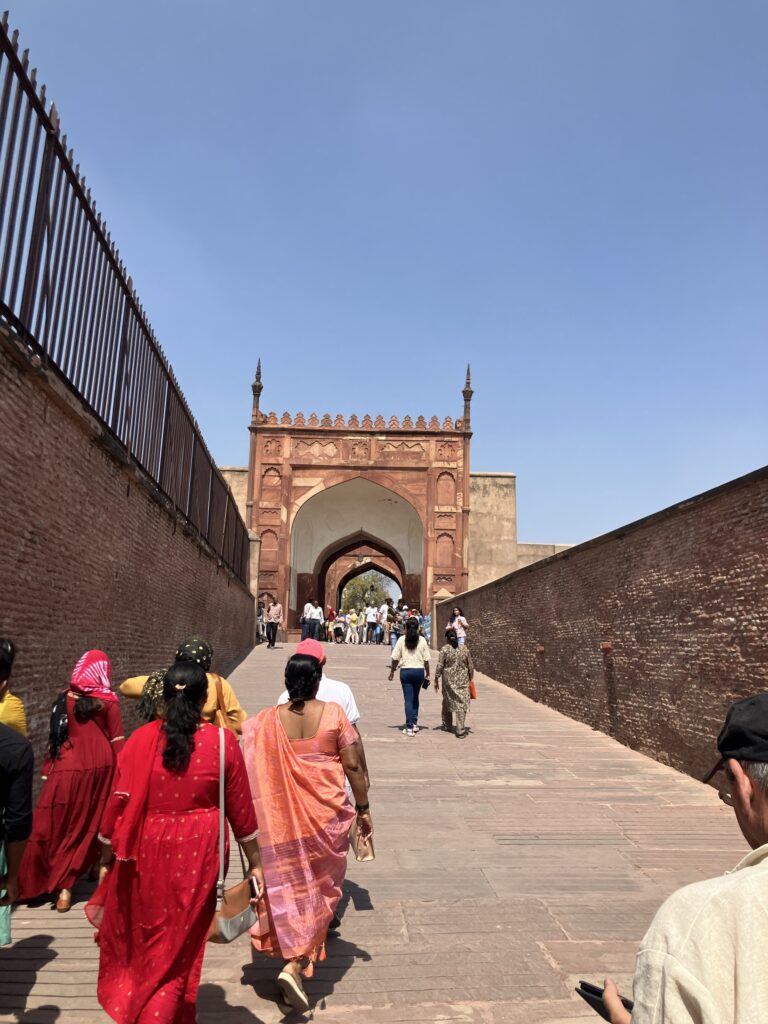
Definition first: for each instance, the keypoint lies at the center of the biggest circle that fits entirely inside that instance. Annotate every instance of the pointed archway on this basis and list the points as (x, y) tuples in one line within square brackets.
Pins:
[(385, 570), (336, 521), (351, 557)]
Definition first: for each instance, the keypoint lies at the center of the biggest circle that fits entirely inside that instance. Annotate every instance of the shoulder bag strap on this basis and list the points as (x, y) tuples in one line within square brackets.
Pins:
[(220, 882)]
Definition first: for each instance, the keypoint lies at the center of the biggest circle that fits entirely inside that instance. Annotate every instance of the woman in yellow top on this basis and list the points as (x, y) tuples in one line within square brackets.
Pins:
[(221, 697), (11, 707)]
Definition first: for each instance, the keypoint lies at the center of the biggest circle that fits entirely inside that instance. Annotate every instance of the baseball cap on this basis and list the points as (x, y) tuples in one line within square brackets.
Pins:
[(313, 648), (744, 736)]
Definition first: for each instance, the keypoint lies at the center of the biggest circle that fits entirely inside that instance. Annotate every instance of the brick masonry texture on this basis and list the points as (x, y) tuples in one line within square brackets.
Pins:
[(647, 633), (89, 557)]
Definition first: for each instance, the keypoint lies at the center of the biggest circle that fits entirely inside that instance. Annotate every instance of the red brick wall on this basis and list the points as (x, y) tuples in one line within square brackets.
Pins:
[(89, 558), (680, 600)]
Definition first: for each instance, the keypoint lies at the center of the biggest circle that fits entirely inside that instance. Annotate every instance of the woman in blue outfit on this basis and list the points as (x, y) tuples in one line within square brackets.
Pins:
[(411, 653)]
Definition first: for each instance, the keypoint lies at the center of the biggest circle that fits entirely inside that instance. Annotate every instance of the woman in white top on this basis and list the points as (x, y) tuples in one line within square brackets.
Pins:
[(411, 653), (460, 624)]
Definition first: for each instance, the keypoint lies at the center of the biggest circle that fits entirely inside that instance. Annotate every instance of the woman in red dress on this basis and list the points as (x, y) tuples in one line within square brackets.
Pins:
[(161, 833), (85, 736)]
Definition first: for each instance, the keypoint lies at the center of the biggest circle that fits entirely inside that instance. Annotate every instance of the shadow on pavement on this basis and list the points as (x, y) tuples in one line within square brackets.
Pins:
[(340, 957), (261, 974), (359, 897), (19, 966), (39, 1015), (212, 1006)]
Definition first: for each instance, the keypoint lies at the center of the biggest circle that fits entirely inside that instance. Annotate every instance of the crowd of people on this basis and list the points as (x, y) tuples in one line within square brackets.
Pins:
[(141, 817), (369, 624)]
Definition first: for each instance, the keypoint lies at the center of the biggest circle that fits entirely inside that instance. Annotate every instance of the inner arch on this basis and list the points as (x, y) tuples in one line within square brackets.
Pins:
[(347, 510)]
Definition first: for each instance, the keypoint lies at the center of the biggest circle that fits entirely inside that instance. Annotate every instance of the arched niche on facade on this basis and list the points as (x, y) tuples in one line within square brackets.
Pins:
[(444, 550), (446, 489), (350, 509), (269, 549)]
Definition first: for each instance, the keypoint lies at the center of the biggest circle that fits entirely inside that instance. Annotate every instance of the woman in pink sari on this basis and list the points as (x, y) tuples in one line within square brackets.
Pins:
[(297, 755)]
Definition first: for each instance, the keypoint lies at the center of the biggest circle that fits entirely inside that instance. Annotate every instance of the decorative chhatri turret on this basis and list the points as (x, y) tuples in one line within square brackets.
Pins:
[(467, 393), (257, 387)]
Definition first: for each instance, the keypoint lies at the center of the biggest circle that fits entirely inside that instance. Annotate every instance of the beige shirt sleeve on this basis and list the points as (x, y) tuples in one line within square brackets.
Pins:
[(232, 708), (665, 991)]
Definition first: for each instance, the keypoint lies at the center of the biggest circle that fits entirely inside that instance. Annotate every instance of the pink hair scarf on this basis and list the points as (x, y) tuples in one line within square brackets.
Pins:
[(92, 676)]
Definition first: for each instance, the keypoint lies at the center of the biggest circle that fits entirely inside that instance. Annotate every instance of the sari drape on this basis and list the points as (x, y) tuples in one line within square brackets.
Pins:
[(304, 820)]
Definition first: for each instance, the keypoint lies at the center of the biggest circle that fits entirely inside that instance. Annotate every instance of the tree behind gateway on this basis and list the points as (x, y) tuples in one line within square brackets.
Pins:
[(371, 587)]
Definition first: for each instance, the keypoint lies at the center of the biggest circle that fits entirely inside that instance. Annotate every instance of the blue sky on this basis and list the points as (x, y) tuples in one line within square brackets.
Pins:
[(570, 194)]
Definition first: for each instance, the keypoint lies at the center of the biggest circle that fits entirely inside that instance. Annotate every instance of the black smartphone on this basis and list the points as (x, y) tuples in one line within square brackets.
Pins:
[(594, 996), (254, 887)]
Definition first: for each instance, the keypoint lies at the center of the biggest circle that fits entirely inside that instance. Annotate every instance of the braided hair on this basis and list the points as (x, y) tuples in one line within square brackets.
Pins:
[(152, 701), (302, 678), (7, 654), (83, 708), (185, 688), (412, 633)]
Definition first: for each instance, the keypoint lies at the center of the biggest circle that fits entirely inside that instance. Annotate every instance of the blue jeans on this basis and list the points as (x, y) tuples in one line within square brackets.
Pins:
[(411, 680)]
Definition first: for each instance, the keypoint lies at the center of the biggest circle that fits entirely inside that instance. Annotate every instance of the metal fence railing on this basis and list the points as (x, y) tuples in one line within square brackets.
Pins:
[(64, 289)]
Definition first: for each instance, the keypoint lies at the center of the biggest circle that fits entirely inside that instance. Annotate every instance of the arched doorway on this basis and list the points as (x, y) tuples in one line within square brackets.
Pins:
[(351, 557), (338, 522), (395, 592)]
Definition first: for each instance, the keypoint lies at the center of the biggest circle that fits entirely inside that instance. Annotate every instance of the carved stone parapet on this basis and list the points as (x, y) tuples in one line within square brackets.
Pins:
[(340, 422)]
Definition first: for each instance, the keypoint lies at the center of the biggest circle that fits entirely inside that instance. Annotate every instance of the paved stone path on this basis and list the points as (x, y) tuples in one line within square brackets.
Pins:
[(509, 865)]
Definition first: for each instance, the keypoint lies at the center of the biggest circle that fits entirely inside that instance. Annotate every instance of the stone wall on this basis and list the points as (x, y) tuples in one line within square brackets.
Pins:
[(492, 526), (527, 554), (647, 633), (237, 478), (92, 557)]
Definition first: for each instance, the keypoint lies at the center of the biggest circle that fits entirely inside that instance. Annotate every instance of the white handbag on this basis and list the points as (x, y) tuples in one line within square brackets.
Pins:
[(234, 913)]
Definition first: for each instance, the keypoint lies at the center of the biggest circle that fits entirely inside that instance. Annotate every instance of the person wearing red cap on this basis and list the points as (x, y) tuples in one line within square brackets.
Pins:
[(702, 960), (336, 692)]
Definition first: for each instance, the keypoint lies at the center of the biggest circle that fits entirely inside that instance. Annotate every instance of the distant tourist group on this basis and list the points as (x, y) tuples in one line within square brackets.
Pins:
[(371, 624)]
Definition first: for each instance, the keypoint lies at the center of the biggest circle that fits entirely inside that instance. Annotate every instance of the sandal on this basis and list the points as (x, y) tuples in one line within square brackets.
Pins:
[(64, 902), (292, 991)]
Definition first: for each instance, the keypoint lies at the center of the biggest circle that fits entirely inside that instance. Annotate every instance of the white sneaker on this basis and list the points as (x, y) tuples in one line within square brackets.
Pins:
[(410, 732)]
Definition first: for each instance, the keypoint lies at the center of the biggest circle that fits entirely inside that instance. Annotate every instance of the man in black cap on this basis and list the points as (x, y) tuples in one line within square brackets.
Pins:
[(703, 959)]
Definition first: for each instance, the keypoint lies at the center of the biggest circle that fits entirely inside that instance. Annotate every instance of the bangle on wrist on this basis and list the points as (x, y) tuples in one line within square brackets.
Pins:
[(362, 808)]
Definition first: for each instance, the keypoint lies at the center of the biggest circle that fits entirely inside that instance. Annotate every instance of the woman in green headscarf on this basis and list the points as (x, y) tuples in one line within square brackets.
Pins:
[(221, 705)]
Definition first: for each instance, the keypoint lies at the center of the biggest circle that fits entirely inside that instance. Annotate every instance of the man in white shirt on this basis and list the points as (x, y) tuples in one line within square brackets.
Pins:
[(702, 960), (371, 618), (306, 621), (383, 613), (316, 618), (336, 692)]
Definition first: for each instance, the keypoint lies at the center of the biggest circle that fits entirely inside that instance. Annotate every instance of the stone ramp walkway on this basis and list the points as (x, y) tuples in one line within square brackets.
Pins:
[(509, 865)]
